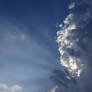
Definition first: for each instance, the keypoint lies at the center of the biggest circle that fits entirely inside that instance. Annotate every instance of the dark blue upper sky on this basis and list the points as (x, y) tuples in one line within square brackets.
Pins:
[(39, 16)]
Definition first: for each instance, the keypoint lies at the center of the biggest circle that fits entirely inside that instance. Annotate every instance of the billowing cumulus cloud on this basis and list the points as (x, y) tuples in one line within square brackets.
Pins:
[(74, 41), (66, 42)]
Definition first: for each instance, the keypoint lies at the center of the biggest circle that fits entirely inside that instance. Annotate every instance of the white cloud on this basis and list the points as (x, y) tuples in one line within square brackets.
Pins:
[(71, 6), (14, 88), (3, 86), (65, 41), (68, 18), (66, 60), (53, 89)]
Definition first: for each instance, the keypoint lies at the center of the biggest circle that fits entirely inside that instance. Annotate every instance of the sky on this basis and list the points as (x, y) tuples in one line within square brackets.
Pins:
[(45, 45)]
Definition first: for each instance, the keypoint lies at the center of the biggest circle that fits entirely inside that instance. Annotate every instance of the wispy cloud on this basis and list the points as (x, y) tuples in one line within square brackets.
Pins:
[(13, 88), (3, 86)]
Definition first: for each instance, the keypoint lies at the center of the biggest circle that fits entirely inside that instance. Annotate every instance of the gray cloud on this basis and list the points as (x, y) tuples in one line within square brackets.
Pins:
[(74, 41)]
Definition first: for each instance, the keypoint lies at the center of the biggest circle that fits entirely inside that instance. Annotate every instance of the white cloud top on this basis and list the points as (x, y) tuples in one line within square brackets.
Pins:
[(65, 41)]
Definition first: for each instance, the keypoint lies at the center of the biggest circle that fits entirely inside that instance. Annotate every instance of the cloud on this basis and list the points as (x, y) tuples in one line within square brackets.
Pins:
[(64, 38), (14, 88), (54, 89), (68, 19), (68, 40), (71, 6), (3, 86), (74, 42), (18, 63)]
